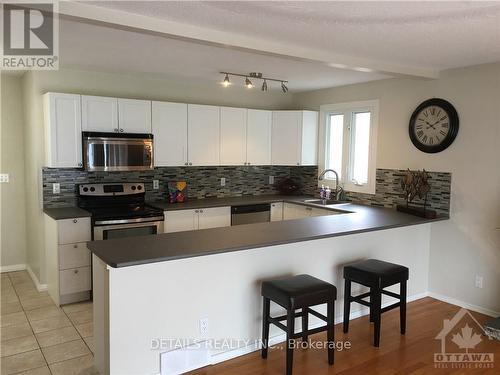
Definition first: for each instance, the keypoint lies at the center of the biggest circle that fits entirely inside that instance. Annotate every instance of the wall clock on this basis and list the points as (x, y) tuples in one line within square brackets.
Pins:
[(433, 125)]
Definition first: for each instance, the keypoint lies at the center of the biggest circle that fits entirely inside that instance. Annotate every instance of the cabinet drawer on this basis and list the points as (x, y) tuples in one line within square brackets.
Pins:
[(73, 255), (73, 230), (74, 280)]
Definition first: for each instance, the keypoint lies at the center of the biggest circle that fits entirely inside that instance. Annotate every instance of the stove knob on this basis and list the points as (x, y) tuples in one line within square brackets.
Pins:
[(139, 187), (92, 188), (133, 187), (85, 189)]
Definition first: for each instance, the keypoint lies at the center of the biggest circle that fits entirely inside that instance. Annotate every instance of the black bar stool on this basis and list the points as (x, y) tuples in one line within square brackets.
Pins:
[(298, 292), (376, 275)]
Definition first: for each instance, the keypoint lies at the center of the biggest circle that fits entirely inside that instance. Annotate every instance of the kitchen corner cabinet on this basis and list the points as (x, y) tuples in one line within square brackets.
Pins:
[(259, 125), (99, 114), (63, 130), (134, 116), (294, 138), (203, 218), (170, 129), (203, 135), (233, 136), (69, 272), (277, 211)]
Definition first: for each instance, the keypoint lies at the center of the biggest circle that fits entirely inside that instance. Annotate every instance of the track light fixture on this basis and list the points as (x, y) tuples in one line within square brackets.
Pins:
[(249, 84)]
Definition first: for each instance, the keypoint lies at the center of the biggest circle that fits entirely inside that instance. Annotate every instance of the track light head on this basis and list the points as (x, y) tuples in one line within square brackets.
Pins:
[(226, 81), (283, 87), (248, 83), (264, 85)]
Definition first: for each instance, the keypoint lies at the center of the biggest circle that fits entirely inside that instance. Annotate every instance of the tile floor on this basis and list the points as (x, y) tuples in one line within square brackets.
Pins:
[(39, 338)]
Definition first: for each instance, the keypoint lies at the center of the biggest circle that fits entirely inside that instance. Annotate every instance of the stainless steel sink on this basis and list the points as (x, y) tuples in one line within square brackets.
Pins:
[(323, 202)]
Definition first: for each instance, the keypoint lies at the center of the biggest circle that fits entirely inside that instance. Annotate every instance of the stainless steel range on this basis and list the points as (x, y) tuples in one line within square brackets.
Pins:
[(119, 210)]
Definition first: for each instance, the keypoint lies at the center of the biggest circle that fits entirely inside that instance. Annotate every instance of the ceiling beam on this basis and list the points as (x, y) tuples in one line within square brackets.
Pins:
[(183, 31)]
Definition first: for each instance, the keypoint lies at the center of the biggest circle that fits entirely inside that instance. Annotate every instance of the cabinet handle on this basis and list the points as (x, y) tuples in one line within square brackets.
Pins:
[(185, 163), (201, 211), (80, 164), (308, 208), (196, 211), (75, 246), (190, 163), (116, 130), (75, 221), (298, 163), (121, 130), (75, 271)]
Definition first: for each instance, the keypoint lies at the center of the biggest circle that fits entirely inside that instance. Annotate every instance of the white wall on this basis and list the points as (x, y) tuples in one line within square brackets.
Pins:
[(468, 244), (13, 218), (36, 83)]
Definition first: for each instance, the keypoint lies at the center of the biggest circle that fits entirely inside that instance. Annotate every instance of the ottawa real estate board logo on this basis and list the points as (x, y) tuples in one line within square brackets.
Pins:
[(30, 35)]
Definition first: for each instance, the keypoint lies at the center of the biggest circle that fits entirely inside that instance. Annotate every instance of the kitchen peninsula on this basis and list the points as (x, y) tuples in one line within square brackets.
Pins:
[(155, 288)]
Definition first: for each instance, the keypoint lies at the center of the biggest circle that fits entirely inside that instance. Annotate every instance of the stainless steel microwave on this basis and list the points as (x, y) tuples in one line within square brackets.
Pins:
[(117, 152)]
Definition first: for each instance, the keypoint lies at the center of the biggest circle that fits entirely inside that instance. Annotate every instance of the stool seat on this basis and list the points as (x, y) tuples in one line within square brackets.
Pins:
[(299, 291), (374, 272)]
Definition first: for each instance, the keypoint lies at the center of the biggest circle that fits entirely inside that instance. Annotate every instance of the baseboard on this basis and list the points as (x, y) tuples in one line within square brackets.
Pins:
[(13, 268), (39, 287), (465, 305)]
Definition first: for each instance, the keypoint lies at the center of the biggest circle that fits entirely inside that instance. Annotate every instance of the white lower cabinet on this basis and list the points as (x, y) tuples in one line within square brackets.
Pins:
[(69, 274), (203, 218), (277, 211), (297, 211)]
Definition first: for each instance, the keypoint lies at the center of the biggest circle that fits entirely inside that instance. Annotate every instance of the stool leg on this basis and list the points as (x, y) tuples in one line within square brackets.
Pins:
[(265, 327), (305, 323), (330, 317), (402, 307), (347, 304), (376, 306), (371, 306), (290, 329)]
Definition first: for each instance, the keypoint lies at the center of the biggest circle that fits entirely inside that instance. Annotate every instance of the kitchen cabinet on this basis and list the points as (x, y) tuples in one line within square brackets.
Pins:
[(297, 211), (259, 125), (294, 138), (63, 130), (203, 218), (233, 136), (99, 114), (134, 116), (170, 132), (203, 135), (277, 211), (69, 272)]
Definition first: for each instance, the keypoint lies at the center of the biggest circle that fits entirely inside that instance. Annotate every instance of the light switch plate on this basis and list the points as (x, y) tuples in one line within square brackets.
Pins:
[(4, 177), (223, 181), (271, 180), (56, 188), (156, 184)]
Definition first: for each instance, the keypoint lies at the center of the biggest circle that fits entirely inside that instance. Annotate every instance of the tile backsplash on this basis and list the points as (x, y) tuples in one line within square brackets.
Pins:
[(204, 182)]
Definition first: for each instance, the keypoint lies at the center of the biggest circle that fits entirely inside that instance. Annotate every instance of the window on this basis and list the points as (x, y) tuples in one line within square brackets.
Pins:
[(349, 147)]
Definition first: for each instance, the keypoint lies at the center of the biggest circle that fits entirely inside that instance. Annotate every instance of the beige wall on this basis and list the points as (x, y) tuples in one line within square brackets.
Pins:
[(468, 244), (13, 218), (108, 84)]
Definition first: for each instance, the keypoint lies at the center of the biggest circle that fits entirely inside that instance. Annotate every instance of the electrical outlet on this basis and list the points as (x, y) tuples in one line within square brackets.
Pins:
[(479, 282), (223, 181), (204, 327), (271, 180), (156, 184), (56, 188), (4, 177)]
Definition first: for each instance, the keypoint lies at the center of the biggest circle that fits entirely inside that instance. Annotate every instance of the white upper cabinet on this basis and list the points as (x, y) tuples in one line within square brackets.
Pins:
[(170, 130), (259, 125), (294, 138), (99, 114), (63, 130), (203, 134), (233, 136), (134, 116)]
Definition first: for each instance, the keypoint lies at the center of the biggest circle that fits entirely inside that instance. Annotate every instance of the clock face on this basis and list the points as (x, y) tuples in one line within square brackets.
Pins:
[(433, 125)]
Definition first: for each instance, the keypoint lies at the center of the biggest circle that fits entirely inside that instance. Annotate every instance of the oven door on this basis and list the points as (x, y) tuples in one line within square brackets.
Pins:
[(122, 230), (105, 153)]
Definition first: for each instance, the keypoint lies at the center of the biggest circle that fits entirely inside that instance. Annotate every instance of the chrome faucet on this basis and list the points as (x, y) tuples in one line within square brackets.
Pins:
[(337, 189)]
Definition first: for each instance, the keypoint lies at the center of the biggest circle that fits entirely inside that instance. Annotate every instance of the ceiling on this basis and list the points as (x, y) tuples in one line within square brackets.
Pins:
[(311, 44)]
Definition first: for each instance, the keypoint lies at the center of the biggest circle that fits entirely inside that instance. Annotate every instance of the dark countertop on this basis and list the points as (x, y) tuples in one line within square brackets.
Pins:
[(221, 202), (170, 246), (61, 213)]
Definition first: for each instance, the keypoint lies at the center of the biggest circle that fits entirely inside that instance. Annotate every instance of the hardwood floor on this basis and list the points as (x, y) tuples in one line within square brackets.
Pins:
[(409, 354)]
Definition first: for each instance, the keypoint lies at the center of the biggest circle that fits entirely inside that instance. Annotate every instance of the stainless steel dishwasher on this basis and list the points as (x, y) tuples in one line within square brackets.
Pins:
[(249, 214)]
